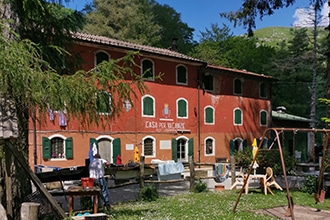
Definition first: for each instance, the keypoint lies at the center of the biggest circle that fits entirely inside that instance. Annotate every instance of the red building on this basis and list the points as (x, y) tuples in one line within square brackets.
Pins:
[(195, 109)]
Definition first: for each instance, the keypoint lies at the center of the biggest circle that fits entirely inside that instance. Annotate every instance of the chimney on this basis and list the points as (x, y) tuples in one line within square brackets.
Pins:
[(174, 46)]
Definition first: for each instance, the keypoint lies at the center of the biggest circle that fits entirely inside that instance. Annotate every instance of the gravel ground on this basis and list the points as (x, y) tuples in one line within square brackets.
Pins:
[(125, 193)]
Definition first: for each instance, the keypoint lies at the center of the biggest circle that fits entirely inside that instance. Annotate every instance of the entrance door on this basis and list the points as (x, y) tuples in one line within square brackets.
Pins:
[(105, 149)]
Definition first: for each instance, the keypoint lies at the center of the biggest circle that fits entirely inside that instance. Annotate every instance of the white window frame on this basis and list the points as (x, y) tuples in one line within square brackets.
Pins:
[(177, 108), (64, 147), (177, 74), (153, 106), (213, 146), (153, 70), (213, 116), (153, 146), (234, 115)]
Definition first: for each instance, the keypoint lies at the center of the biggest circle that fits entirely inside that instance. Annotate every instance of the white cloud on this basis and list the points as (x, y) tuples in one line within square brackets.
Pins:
[(304, 17)]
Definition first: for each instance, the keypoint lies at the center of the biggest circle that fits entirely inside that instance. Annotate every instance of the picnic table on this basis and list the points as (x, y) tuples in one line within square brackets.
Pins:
[(73, 191)]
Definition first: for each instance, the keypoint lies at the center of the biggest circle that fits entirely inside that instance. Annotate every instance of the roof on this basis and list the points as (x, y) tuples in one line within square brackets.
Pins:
[(132, 46), (288, 117), (238, 71)]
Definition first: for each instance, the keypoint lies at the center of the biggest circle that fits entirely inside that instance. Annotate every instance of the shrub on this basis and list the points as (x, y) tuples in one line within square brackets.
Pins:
[(148, 193), (243, 158), (200, 186), (310, 184)]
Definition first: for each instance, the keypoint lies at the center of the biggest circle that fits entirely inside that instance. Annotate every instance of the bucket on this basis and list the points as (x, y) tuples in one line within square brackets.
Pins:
[(84, 182), (90, 182)]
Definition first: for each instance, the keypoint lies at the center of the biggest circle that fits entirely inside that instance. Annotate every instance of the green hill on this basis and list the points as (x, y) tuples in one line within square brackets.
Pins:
[(274, 36)]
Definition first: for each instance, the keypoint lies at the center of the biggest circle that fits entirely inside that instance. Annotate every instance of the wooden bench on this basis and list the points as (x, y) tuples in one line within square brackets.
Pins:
[(73, 191)]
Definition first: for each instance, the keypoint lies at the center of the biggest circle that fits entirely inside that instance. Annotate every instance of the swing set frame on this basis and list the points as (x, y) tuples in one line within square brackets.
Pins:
[(278, 132)]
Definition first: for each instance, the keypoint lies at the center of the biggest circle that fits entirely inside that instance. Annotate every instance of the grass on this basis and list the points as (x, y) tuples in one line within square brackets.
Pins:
[(212, 205)]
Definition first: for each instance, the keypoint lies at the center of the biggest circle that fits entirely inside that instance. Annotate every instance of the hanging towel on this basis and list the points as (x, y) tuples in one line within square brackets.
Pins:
[(62, 119), (51, 115), (221, 172)]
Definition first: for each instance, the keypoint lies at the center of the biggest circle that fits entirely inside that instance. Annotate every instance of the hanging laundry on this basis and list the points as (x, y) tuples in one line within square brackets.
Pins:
[(51, 115), (62, 119)]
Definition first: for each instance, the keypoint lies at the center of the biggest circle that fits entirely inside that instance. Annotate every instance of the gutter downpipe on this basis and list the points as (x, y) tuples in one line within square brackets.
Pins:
[(198, 111)]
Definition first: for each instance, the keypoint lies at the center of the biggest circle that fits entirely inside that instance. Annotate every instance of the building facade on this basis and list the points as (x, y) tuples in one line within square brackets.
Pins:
[(195, 109)]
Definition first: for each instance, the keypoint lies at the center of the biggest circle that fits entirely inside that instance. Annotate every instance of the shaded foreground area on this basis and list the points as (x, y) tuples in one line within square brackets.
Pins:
[(300, 212)]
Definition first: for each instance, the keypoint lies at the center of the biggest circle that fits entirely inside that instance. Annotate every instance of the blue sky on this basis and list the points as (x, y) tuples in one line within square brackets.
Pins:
[(200, 14)]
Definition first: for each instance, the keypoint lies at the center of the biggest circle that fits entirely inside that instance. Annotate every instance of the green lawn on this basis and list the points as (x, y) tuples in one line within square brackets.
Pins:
[(211, 205)]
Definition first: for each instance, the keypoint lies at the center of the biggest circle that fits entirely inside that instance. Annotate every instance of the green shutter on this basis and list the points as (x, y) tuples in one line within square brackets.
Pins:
[(238, 86), (148, 106), (191, 147), (174, 150), (263, 118), (46, 151), (208, 115), (182, 72), (91, 142), (232, 147), (263, 90), (182, 108), (238, 116), (68, 148), (116, 149)]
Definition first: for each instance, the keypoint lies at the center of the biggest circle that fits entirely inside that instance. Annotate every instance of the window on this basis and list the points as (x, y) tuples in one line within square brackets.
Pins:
[(100, 57), (103, 102), (237, 144), (209, 115), (237, 87), (263, 90), (147, 70), (182, 149), (57, 147), (263, 118), (182, 110), (208, 82), (148, 106), (149, 147), (209, 146), (181, 75), (238, 116)]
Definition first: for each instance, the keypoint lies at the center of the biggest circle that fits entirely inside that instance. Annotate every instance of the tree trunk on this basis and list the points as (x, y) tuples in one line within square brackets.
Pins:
[(328, 72), (15, 185)]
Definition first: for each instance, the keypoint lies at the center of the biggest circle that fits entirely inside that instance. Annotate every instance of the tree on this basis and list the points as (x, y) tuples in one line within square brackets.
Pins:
[(123, 20), (30, 79), (145, 22), (219, 47), (172, 27), (251, 9)]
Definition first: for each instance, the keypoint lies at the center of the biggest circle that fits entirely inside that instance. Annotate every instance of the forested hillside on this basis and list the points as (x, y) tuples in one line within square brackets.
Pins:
[(275, 36)]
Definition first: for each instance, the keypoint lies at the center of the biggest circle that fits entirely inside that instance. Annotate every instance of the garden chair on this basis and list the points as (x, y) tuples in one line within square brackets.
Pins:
[(239, 179), (270, 180)]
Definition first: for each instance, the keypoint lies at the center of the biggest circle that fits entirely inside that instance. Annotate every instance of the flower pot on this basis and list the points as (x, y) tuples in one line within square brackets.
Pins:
[(219, 187)]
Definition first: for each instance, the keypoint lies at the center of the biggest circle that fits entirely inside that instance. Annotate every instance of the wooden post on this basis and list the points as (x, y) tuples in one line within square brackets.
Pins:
[(192, 173), (141, 172), (233, 169)]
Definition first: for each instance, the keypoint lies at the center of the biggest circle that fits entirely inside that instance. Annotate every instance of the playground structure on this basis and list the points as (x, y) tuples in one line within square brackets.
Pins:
[(277, 133)]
